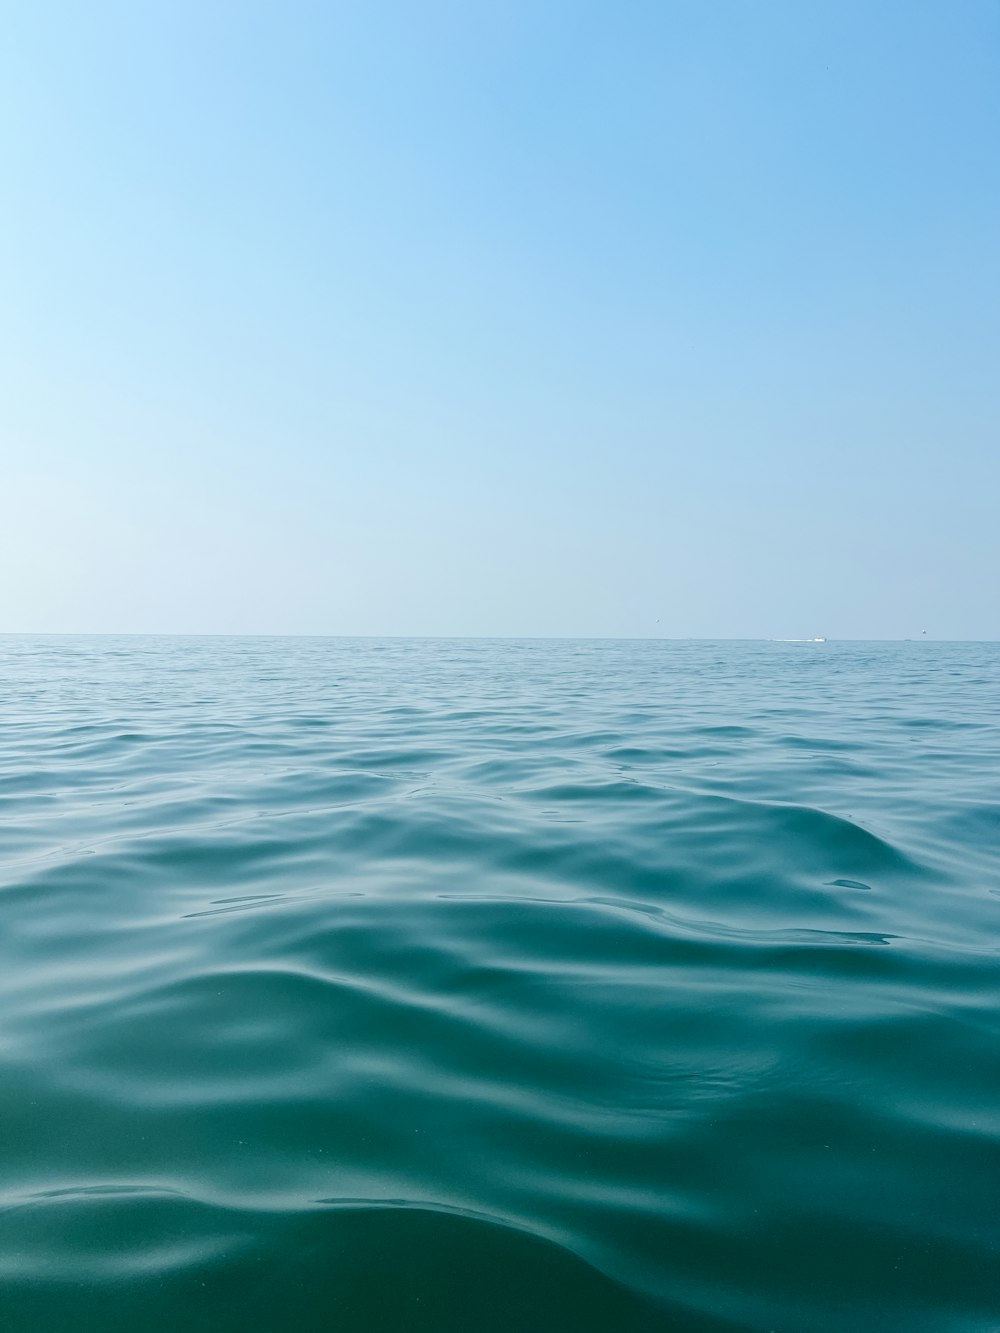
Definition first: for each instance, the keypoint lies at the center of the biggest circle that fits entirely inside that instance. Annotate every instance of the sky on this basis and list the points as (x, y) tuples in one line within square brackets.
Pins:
[(675, 318)]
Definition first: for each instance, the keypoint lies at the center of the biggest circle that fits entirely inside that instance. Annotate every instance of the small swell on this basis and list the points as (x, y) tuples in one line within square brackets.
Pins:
[(430, 986), (391, 1265)]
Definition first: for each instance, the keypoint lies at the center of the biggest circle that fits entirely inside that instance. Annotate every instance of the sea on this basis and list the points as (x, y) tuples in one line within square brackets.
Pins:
[(459, 986)]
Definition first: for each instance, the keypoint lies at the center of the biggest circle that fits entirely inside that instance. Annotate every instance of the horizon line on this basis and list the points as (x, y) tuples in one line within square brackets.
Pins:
[(543, 638)]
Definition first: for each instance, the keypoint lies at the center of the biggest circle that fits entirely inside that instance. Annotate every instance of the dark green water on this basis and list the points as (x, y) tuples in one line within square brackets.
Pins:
[(468, 986)]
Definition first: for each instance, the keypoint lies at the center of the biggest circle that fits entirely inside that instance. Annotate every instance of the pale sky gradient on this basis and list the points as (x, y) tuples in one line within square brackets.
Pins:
[(493, 317)]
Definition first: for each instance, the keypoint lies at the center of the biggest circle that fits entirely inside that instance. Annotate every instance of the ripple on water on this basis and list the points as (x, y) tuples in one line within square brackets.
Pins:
[(470, 986)]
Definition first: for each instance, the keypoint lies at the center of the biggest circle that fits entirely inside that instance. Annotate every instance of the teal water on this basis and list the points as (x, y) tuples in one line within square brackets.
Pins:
[(398, 985)]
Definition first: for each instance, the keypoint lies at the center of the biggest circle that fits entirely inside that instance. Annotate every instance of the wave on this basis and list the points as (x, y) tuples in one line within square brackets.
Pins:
[(429, 986)]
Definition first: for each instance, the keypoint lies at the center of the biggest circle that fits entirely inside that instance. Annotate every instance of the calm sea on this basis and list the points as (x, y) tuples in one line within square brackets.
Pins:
[(535, 986)]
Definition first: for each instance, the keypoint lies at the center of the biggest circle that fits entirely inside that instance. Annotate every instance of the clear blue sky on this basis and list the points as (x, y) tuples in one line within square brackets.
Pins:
[(501, 318)]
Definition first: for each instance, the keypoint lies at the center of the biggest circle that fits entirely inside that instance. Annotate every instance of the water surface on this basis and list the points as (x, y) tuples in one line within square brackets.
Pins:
[(491, 985)]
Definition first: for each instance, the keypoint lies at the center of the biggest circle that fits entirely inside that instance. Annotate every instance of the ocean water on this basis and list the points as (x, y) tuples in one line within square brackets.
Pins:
[(455, 986)]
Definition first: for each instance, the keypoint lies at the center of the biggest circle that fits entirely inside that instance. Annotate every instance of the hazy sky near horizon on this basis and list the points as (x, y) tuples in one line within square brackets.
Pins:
[(501, 318)]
